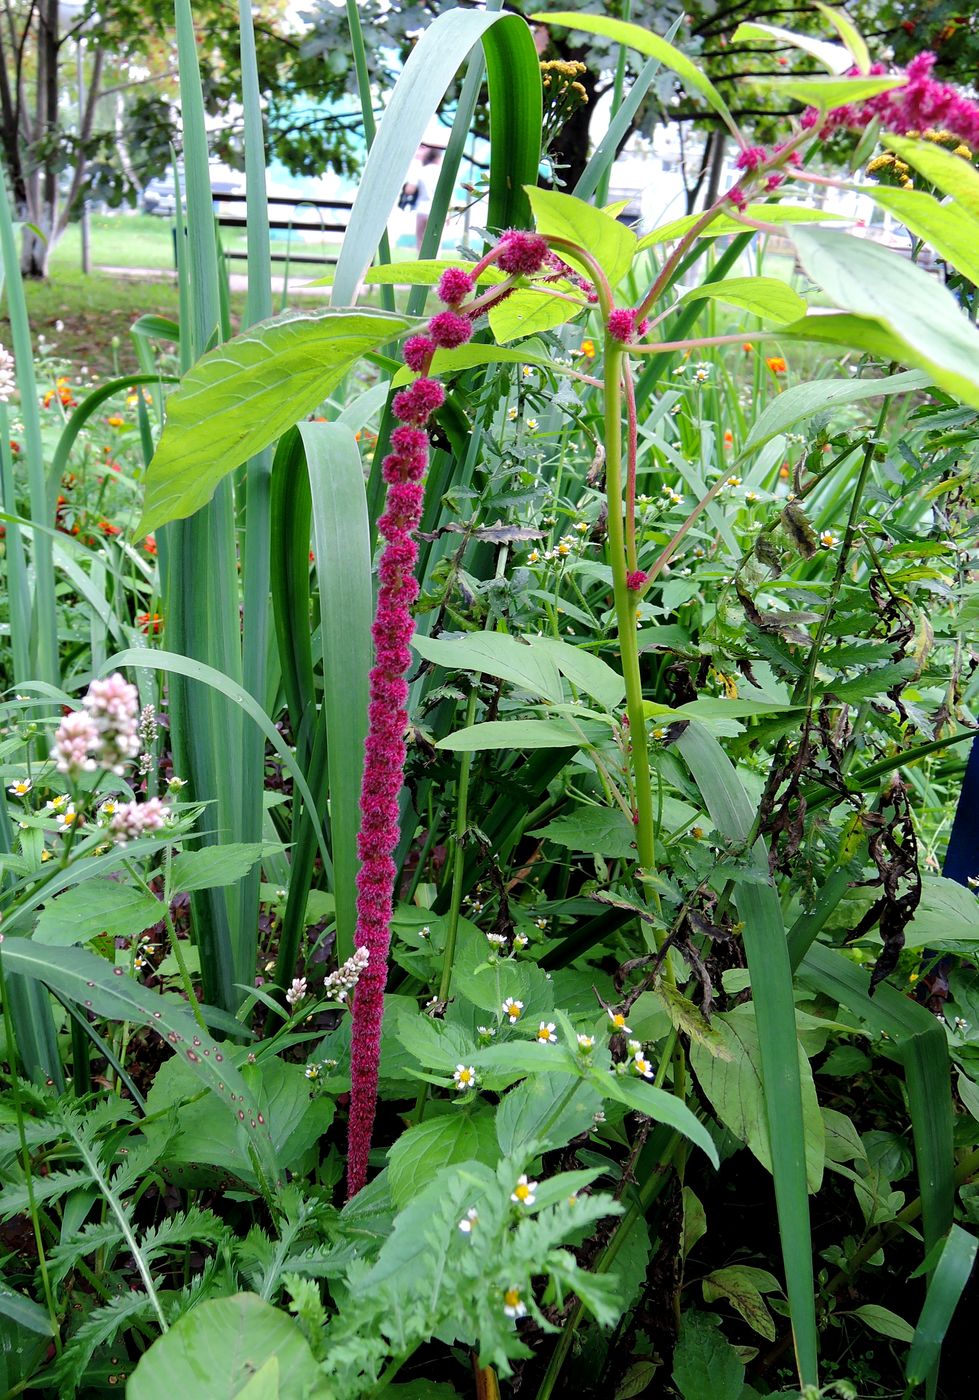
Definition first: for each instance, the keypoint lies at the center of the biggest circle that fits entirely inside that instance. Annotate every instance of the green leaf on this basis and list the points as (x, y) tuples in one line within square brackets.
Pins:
[(513, 79), (214, 1351), (476, 353), (98, 906), (603, 831), (851, 36), (528, 312), (734, 1086), (439, 1142), (945, 1288), (584, 670), (213, 866), (521, 734), (831, 56), (246, 393), (724, 225), (536, 1116), (705, 1365), (495, 654), (872, 282), (657, 1104), (631, 36), (887, 1323), (766, 297), (781, 1071), (742, 1287), (827, 93), (97, 986), (951, 230), (947, 913), (949, 173), (610, 243), (803, 401), (24, 1312)]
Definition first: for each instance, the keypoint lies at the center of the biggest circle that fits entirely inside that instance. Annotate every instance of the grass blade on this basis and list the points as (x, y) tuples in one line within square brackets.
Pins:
[(771, 988), (951, 1274)]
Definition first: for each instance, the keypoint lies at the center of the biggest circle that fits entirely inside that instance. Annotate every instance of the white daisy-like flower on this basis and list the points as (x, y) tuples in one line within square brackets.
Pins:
[(465, 1076), (960, 1025), (533, 424), (511, 413), (542, 924), (57, 804), (581, 526), (520, 941), (20, 787), (586, 1044), (513, 1306), (498, 940), (469, 1220), (643, 1067), (425, 931), (523, 1194), (751, 497), (562, 548), (618, 1023), (312, 1071), (526, 371), (513, 1008), (485, 1034), (68, 818), (533, 557), (660, 732), (547, 1033), (828, 540), (733, 481), (634, 1047)]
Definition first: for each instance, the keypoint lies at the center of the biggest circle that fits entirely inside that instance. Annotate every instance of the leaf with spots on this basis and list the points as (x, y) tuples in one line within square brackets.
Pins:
[(96, 985)]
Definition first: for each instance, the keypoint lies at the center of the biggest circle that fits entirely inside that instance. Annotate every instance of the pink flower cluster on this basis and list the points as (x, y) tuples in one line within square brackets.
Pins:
[(518, 254), (103, 734), (624, 325), (134, 819), (923, 102)]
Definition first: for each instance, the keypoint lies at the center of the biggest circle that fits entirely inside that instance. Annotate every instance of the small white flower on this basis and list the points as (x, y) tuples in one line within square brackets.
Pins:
[(465, 1077), (533, 557), (733, 481), (469, 1220), (973, 882), (425, 931), (618, 1022), (20, 787), (498, 940), (828, 540), (511, 413), (526, 371), (542, 924), (520, 941), (296, 991), (513, 1008), (547, 1033), (598, 1116), (513, 1306), (485, 1034), (634, 1047), (581, 526), (523, 1193), (960, 1025), (751, 497), (532, 424), (586, 1044), (312, 1071), (643, 1067)]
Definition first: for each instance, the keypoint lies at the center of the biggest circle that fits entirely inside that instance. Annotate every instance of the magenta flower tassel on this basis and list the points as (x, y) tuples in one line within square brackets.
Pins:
[(385, 749)]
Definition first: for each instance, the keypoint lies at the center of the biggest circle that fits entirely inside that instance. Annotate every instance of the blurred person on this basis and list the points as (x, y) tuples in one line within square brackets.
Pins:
[(418, 189)]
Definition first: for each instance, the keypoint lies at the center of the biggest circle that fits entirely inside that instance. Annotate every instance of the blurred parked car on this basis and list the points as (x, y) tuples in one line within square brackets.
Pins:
[(160, 194)]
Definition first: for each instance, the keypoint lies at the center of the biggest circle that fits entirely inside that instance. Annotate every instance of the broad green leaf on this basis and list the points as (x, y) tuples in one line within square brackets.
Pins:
[(947, 913), (522, 734), (657, 1104), (951, 174), (536, 1116), (631, 36), (213, 866), (742, 1287), (24, 1312), (214, 1351), (528, 312), (246, 393), (887, 1323), (531, 352), (855, 43), (951, 230), (832, 56), (945, 1288), (98, 906), (495, 654), (766, 297), (420, 272), (603, 831), (705, 1364), (422, 1150), (724, 225), (856, 333), (610, 243), (872, 282), (584, 670), (803, 401), (95, 985), (734, 1086), (827, 93)]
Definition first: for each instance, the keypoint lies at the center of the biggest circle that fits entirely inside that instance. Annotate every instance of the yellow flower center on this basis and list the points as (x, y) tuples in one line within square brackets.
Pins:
[(511, 1297), (522, 1191)]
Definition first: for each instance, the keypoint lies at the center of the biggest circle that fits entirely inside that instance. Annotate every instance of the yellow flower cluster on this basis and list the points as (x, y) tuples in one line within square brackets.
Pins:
[(892, 166)]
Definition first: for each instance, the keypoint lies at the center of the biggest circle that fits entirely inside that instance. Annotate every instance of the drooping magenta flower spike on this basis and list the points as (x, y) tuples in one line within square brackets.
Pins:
[(385, 749)]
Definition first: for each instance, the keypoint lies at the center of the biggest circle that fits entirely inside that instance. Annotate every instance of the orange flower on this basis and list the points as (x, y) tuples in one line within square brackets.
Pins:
[(107, 527), (150, 622), (776, 364), (588, 349), (149, 544), (747, 347), (115, 421), (729, 438), (783, 471), (14, 448)]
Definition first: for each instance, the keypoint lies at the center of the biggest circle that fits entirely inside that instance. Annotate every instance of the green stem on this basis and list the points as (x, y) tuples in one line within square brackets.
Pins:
[(625, 607), (458, 859)]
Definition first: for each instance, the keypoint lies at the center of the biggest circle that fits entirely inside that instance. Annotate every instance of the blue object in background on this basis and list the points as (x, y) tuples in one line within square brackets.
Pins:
[(962, 853)]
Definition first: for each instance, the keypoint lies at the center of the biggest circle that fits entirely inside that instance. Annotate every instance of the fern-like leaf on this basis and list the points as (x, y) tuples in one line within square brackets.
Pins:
[(100, 1328), (190, 1227), (63, 1257)]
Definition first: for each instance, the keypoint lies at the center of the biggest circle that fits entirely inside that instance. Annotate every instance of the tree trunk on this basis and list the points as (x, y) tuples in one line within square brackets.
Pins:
[(41, 182)]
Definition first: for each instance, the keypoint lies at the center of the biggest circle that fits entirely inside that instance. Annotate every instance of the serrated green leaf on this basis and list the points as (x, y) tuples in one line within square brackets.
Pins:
[(96, 907), (213, 866), (240, 397), (422, 1150)]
